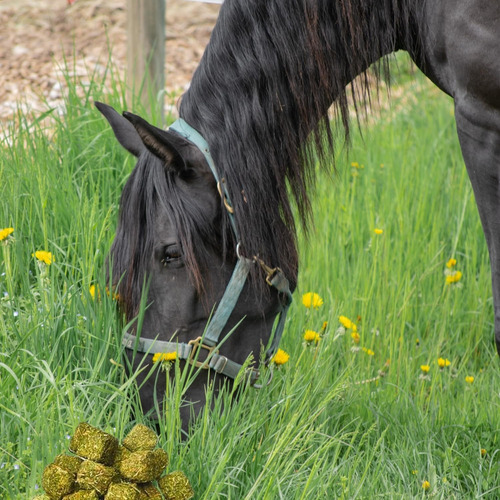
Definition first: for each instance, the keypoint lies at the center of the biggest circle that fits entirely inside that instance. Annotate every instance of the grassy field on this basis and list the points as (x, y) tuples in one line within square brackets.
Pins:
[(365, 413)]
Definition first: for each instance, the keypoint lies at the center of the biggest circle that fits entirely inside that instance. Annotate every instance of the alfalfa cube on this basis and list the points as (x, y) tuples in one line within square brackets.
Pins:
[(140, 438), (95, 476), (143, 466), (94, 444), (122, 491), (68, 462), (176, 486), (57, 481)]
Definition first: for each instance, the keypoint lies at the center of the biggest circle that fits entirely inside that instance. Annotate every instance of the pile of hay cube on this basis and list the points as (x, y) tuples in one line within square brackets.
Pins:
[(100, 468)]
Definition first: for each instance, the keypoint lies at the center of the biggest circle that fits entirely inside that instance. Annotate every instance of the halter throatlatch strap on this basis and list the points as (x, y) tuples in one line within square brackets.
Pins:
[(208, 342)]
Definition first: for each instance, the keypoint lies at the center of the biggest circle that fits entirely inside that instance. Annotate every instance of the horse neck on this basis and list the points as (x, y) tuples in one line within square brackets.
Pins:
[(265, 82), (302, 61)]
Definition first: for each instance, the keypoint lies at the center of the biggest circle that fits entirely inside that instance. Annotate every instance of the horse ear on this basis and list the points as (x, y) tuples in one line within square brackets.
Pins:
[(162, 144), (124, 131)]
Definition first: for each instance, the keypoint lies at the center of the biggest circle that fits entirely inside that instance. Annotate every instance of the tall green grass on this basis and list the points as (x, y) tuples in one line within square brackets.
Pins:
[(328, 425)]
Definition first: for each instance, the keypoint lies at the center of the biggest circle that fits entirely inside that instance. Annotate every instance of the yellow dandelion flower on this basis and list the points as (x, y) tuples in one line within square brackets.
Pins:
[(92, 291), (347, 323), (378, 231), (281, 357), (164, 356), (442, 362), (114, 296), (483, 452), (44, 256), (313, 300), (311, 336), (324, 326), (355, 337), (354, 164), (451, 263), (454, 277), (368, 351), (426, 485), (469, 379), (5, 233), (425, 368)]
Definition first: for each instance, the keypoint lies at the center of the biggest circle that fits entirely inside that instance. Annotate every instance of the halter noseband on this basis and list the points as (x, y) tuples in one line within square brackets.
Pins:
[(274, 277)]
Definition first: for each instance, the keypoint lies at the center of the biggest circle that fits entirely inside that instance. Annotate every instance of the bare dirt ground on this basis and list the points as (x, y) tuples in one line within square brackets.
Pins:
[(37, 35)]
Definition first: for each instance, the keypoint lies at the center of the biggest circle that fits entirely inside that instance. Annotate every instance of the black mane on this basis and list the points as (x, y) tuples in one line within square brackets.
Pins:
[(264, 86)]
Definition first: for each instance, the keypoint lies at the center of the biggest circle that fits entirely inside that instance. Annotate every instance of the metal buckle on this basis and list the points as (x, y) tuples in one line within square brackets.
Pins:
[(193, 355), (272, 275), (270, 272), (218, 368), (223, 195)]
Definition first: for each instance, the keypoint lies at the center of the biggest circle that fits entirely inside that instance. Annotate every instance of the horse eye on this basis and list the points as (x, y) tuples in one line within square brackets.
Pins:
[(172, 254)]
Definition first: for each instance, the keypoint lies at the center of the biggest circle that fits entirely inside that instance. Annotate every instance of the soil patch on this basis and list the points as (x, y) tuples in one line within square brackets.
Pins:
[(38, 35)]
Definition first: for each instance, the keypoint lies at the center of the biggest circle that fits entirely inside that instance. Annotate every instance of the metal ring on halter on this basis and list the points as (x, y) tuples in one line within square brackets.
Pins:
[(238, 253), (260, 386)]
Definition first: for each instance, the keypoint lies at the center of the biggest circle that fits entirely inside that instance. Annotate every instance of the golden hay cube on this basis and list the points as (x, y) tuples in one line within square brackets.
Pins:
[(57, 481), (83, 495), (94, 444), (140, 438), (176, 486), (144, 466), (148, 491), (95, 476), (68, 462), (122, 491), (41, 497)]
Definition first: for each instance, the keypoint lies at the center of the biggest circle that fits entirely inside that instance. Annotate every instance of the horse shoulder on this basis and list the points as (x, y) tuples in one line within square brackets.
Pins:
[(460, 50)]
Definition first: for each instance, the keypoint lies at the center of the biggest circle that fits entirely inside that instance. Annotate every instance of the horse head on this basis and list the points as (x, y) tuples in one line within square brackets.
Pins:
[(172, 244)]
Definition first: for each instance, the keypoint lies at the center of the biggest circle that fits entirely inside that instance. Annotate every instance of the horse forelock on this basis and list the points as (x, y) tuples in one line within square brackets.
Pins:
[(152, 192), (261, 97)]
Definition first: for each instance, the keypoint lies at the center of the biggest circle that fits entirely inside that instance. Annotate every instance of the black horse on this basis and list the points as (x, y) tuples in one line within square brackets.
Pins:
[(258, 107)]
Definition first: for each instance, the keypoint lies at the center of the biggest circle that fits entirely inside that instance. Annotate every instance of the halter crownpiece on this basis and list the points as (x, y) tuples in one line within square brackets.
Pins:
[(274, 277), (192, 135)]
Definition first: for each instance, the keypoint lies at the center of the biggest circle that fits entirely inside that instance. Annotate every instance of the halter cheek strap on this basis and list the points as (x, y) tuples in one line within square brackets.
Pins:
[(274, 277)]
